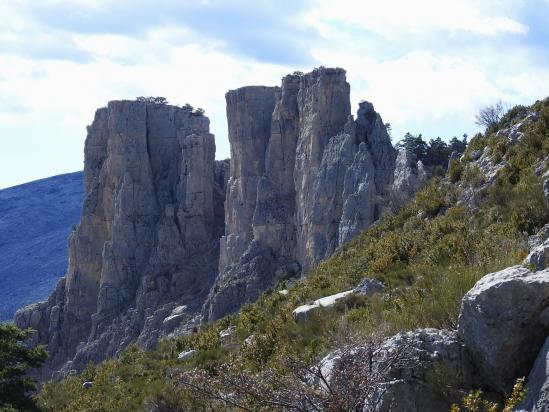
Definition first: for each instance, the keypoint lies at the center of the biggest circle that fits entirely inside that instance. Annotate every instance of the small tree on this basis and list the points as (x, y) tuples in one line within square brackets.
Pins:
[(414, 144), (489, 116), (15, 359), (152, 99)]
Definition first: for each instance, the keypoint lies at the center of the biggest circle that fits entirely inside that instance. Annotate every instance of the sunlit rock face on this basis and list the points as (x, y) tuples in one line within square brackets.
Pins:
[(147, 238), (304, 179)]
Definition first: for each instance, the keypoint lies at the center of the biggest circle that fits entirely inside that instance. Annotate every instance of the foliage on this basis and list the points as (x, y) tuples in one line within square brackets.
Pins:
[(152, 99), (490, 116), (474, 401), (455, 170), (15, 360), (434, 153)]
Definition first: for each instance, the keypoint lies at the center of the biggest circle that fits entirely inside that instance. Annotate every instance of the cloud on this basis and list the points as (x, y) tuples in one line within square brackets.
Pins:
[(267, 31), (483, 17), (426, 65)]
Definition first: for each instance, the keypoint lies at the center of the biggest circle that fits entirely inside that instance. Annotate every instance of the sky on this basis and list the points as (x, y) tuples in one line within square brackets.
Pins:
[(428, 66)]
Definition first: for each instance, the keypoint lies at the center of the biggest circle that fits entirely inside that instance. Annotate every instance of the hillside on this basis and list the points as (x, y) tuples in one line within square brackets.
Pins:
[(484, 216), (35, 221)]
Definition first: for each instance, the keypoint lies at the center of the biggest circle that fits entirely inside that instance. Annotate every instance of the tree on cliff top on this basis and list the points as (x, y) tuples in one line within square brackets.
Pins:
[(15, 359), (152, 99), (489, 116)]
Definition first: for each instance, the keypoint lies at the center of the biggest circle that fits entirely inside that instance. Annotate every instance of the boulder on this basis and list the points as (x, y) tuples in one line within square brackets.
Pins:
[(538, 257), (186, 354), (537, 388), (301, 313), (420, 371), (503, 322), (368, 287)]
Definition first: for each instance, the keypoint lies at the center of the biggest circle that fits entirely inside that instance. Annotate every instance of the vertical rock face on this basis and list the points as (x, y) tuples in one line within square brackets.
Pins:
[(169, 236), (311, 187), (148, 236)]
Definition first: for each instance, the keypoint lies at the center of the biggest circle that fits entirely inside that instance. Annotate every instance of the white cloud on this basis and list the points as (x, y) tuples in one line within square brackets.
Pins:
[(420, 16), (426, 65)]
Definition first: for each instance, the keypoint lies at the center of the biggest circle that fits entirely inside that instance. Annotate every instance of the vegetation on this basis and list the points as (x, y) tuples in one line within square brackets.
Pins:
[(428, 255), (474, 402), (434, 153), (15, 359), (152, 99)]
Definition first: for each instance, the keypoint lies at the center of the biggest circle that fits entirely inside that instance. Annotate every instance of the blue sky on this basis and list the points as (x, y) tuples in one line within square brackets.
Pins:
[(427, 66)]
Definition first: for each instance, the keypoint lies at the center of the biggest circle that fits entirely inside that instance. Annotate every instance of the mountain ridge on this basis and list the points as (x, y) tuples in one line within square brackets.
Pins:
[(36, 219)]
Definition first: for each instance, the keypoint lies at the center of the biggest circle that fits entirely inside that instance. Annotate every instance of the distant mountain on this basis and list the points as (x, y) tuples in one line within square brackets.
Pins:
[(36, 219)]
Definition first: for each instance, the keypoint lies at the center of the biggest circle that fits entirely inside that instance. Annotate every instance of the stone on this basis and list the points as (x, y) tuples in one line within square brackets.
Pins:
[(147, 237), (538, 256), (301, 313), (501, 324), (227, 332), (368, 287), (186, 354), (537, 387), (87, 385), (406, 366), (409, 175)]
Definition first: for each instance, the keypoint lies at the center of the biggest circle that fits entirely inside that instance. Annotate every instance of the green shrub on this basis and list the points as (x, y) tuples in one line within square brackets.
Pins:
[(455, 170)]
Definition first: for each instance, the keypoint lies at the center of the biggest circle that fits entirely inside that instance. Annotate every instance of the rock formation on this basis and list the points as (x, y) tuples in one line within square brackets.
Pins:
[(409, 361), (162, 220), (537, 390), (147, 241), (304, 180), (503, 321)]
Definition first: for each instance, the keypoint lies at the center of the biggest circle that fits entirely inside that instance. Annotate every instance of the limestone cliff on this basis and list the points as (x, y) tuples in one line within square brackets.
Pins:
[(147, 242), (304, 179), (169, 237)]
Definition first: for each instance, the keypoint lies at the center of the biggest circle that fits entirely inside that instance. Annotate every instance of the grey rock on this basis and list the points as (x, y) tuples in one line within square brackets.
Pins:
[(502, 324), (302, 313), (302, 183), (186, 354), (147, 238), (409, 175), (475, 155), (537, 388), (407, 366), (368, 287), (87, 385), (538, 256), (515, 132)]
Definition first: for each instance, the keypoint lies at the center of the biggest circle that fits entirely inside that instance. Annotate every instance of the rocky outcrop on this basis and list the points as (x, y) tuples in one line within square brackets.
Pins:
[(162, 221), (503, 321), (409, 175), (147, 242), (304, 179), (403, 372), (537, 389)]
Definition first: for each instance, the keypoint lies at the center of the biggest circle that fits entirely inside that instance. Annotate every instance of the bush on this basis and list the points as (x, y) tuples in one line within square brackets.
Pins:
[(455, 170)]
